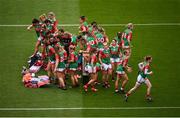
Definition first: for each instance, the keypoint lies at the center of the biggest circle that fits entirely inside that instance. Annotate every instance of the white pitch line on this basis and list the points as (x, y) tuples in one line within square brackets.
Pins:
[(84, 108), (105, 25)]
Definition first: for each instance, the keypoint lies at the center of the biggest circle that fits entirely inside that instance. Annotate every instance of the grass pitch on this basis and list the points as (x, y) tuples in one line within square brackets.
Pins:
[(162, 42)]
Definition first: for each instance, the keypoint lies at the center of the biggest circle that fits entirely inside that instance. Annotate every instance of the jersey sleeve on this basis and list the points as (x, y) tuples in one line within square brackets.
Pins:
[(130, 36)]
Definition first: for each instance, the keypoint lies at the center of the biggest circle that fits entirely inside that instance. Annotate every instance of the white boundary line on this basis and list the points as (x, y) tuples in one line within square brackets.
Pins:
[(105, 25), (86, 108)]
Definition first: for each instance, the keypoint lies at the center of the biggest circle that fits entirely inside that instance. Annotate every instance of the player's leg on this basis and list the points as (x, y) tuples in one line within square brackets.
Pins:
[(38, 43), (76, 79), (125, 80), (93, 80), (136, 86), (149, 86), (72, 78), (113, 68), (117, 83), (140, 80), (109, 72), (49, 71)]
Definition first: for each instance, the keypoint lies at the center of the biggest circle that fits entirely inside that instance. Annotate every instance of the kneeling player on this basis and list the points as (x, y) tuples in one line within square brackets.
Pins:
[(142, 78)]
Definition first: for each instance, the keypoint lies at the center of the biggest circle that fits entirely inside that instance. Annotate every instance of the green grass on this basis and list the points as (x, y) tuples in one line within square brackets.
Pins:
[(16, 44)]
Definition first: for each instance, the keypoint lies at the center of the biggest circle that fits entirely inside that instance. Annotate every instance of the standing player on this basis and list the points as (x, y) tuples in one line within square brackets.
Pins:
[(52, 18), (91, 42), (121, 72), (73, 65), (144, 72), (38, 28), (60, 66), (127, 38), (51, 60), (115, 55), (92, 70), (83, 29), (104, 59), (65, 39)]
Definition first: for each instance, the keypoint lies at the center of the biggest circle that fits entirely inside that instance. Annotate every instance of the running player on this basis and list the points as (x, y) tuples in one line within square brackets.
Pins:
[(60, 66), (104, 59), (121, 72), (144, 72)]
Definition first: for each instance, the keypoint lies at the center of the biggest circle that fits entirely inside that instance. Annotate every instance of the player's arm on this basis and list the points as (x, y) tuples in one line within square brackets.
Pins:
[(146, 71), (30, 27), (57, 62), (141, 66), (100, 56), (129, 38), (106, 38)]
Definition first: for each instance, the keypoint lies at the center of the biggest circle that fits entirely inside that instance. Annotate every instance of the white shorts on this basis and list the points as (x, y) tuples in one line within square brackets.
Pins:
[(115, 60), (39, 38), (141, 80), (100, 49), (60, 69), (73, 69), (90, 69), (106, 66)]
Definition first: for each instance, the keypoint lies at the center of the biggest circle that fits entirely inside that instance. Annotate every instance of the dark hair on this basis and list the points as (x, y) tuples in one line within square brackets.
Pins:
[(94, 23), (79, 37), (83, 17), (119, 34), (35, 21), (47, 21), (61, 30), (125, 52), (147, 58)]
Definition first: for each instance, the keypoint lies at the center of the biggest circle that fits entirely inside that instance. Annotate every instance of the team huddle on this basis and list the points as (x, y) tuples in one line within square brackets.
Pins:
[(89, 53)]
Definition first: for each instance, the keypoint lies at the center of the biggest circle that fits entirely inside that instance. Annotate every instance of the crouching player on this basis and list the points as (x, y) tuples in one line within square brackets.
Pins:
[(92, 69), (121, 72), (104, 59), (143, 78), (60, 66)]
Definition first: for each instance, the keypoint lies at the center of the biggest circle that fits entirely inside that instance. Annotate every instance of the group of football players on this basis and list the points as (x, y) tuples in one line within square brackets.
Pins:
[(88, 53)]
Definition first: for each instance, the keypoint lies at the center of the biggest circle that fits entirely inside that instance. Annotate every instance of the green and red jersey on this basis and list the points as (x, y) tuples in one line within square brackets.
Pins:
[(84, 27), (114, 49), (62, 57), (73, 57), (105, 56), (91, 43), (126, 37), (50, 53)]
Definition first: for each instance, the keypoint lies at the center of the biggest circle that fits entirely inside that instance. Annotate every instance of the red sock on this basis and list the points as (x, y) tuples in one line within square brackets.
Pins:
[(127, 94)]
